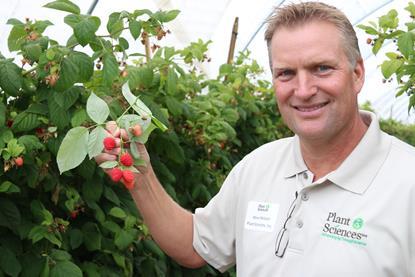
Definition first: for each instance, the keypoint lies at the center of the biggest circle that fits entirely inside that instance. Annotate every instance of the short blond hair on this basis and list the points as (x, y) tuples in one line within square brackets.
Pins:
[(293, 15)]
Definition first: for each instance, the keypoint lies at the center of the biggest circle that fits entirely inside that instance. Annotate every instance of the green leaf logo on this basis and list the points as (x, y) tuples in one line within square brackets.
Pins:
[(358, 223)]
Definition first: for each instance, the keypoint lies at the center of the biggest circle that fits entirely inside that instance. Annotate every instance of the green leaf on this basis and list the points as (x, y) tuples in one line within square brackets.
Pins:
[(65, 268), (118, 213), (75, 238), (110, 70), (108, 164), (72, 19), (10, 77), (115, 25), (63, 5), (2, 114), (73, 149), (9, 187), (58, 115), (85, 65), (390, 67), (411, 8), (31, 143), (14, 21), (368, 29), (16, 38), (111, 196), (92, 191), (85, 29), (25, 122), (14, 148), (124, 238), (97, 109), (95, 143), (175, 106), (67, 98), (32, 51), (68, 74), (9, 214), (92, 236), (9, 263), (79, 117), (378, 45), (406, 44), (171, 83), (135, 28), (60, 255), (134, 102)]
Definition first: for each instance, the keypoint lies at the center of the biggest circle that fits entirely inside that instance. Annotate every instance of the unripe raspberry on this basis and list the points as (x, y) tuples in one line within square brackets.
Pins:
[(116, 174), (74, 214), (18, 161), (126, 159), (109, 143), (136, 130), (128, 176)]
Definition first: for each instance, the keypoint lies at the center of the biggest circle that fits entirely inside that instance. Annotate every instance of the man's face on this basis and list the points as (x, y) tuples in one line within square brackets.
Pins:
[(315, 85)]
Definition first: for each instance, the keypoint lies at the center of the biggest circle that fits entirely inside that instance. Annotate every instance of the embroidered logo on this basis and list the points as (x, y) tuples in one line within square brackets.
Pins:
[(344, 229)]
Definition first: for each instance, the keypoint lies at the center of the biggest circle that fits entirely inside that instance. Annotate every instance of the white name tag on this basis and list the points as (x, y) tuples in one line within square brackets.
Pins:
[(261, 216)]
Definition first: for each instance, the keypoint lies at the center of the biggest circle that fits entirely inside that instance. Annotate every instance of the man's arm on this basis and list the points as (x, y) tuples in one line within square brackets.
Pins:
[(170, 225)]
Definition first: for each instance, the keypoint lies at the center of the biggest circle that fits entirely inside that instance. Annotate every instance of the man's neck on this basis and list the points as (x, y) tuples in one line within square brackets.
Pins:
[(324, 156)]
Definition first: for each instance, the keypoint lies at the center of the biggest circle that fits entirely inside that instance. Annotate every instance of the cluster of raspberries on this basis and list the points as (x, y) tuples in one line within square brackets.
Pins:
[(118, 174)]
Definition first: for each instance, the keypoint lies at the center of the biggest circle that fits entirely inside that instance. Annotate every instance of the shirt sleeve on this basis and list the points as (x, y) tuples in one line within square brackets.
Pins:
[(214, 226)]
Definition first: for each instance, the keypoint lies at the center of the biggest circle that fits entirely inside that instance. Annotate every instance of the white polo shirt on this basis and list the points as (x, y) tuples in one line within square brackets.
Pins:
[(358, 220)]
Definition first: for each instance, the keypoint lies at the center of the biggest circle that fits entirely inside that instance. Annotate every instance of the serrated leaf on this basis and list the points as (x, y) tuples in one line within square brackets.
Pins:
[(72, 19), (95, 145), (63, 5), (10, 77), (9, 214), (25, 122), (390, 67), (65, 268), (67, 98), (108, 164), (2, 114), (135, 102), (79, 117), (68, 74), (92, 236), (118, 213), (9, 187), (84, 64), (406, 44), (171, 83), (31, 143), (14, 21), (170, 15), (115, 25), (73, 149), (16, 37), (9, 263), (97, 109), (75, 238), (135, 28), (85, 29), (58, 115), (123, 238), (110, 70)]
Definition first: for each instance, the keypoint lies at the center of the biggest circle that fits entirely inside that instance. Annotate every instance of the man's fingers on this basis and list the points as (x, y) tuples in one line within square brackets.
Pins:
[(113, 129), (103, 157)]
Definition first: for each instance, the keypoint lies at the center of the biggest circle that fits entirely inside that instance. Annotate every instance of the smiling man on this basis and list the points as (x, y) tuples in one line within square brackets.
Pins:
[(337, 199)]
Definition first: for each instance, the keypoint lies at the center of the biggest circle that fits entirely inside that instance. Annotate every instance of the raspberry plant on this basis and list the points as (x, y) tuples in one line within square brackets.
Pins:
[(59, 213)]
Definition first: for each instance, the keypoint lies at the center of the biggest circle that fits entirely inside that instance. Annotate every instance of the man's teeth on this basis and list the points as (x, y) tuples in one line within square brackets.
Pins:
[(310, 109)]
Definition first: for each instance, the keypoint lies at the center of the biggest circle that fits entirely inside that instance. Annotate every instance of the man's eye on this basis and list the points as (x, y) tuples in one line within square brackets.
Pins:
[(323, 68), (284, 74)]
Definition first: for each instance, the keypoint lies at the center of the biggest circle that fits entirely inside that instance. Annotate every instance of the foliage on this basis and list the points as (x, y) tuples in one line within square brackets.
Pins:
[(400, 63), (71, 220)]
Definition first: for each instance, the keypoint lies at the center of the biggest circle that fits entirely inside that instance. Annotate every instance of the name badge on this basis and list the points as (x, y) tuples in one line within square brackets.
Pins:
[(261, 216)]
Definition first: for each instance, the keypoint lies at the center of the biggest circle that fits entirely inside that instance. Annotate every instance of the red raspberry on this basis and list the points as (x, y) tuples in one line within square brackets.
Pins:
[(128, 176), (136, 130), (126, 159), (129, 185), (18, 161), (74, 214), (109, 143), (116, 174)]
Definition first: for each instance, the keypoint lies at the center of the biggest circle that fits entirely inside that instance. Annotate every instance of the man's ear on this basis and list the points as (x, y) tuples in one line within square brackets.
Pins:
[(358, 75)]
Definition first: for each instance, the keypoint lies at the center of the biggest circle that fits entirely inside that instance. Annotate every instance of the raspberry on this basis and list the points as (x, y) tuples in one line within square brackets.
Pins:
[(109, 143), (116, 174), (129, 185), (74, 214), (18, 161), (126, 159), (128, 176), (136, 130)]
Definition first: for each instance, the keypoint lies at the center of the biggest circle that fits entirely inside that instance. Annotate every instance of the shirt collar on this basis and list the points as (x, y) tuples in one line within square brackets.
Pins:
[(358, 170)]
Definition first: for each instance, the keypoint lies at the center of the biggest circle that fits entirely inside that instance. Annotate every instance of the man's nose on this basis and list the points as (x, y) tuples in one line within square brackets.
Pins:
[(305, 85)]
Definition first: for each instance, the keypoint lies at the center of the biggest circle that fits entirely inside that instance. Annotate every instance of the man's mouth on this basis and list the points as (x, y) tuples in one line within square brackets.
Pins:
[(309, 108)]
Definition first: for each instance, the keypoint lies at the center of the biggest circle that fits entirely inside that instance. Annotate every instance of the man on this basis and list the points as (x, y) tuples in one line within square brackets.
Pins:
[(337, 199)]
